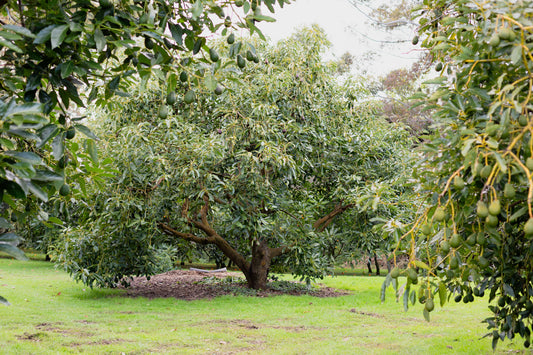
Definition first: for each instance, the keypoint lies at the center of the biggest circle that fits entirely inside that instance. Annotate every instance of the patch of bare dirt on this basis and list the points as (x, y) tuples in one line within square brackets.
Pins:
[(193, 285), (369, 314), (31, 337)]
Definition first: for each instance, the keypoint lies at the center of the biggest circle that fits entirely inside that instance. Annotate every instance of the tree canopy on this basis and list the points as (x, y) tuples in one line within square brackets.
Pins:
[(58, 56), (282, 164)]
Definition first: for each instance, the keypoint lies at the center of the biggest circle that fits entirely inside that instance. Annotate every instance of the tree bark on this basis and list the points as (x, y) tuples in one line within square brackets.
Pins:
[(377, 264), (325, 221), (258, 272)]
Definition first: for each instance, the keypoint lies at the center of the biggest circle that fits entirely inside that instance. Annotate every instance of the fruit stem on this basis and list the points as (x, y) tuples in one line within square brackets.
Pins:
[(448, 183)]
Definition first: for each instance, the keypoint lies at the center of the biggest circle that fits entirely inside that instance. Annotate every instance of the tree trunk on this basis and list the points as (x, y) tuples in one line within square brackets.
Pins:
[(377, 264), (369, 265), (258, 272)]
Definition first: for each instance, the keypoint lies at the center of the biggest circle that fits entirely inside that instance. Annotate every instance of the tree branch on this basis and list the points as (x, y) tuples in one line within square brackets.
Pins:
[(186, 236), (278, 251), (325, 221)]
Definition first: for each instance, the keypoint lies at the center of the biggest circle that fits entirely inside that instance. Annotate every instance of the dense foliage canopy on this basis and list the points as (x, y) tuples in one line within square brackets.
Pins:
[(59, 55), (283, 162)]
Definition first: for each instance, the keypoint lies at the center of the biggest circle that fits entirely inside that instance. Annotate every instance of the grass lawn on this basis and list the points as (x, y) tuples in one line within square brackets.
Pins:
[(51, 314)]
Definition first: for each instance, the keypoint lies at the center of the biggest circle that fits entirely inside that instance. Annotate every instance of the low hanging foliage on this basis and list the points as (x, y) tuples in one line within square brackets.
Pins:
[(474, 234)]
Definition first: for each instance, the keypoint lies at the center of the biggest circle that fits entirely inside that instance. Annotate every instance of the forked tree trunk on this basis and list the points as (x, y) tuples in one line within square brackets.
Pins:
[(255, 271)]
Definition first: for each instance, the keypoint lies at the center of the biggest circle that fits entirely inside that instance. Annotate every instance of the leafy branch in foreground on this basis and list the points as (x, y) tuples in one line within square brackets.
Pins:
[(475, 233)]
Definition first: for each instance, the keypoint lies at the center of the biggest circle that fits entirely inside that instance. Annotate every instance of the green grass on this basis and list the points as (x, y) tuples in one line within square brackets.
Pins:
[(51, 314)]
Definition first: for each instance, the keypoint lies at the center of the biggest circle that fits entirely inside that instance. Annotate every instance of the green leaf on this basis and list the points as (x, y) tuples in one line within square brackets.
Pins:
[(66, 69), (86, 131), (46, 176), (113, 84), (7, 143), (521, 212), (172, 81), (12, 251), (406, 298), (46, 133), (58, 35), (508, 290), (24, 109), (44, 35), (10, 45), (501, 162), (92, 150), (99, 40), (27, 157), (4, 301), (264, 18), (442, 293), (58, 146), (210, 82), (177, 33), (516, 54), (197, 45), (20, 30), (55, 220), (467, 145), (421, 264), (384, 286), (37, 191), (438, 81), (9, 237), (197, 9), (426, 314), (5, 224)]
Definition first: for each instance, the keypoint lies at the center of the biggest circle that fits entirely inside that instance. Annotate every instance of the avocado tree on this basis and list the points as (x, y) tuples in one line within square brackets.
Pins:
[(57, 56), (474, 234), (275, 166)]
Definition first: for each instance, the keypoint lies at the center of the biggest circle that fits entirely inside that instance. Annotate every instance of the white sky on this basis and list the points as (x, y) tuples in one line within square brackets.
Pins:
[(347, 28)]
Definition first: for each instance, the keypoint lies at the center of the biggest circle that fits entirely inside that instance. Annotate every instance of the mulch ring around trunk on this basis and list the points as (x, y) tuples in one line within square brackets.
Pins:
[(193, 285)]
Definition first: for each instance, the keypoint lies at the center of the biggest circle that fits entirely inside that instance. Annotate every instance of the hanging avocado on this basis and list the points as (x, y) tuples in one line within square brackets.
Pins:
[(249, 56), (64, 190), (71, 132), (163, 111), (219, 89), (189, 97), (241, 63), (171, 98), (148, 43), (231, 39), (213, 55)]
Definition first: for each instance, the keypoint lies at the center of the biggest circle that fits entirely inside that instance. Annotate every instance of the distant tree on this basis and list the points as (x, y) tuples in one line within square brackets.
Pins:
[(398, 105), (345, 62)]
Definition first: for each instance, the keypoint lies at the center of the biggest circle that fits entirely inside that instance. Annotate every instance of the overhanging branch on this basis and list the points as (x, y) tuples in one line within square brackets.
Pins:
[(325, 221), (186, 236)]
